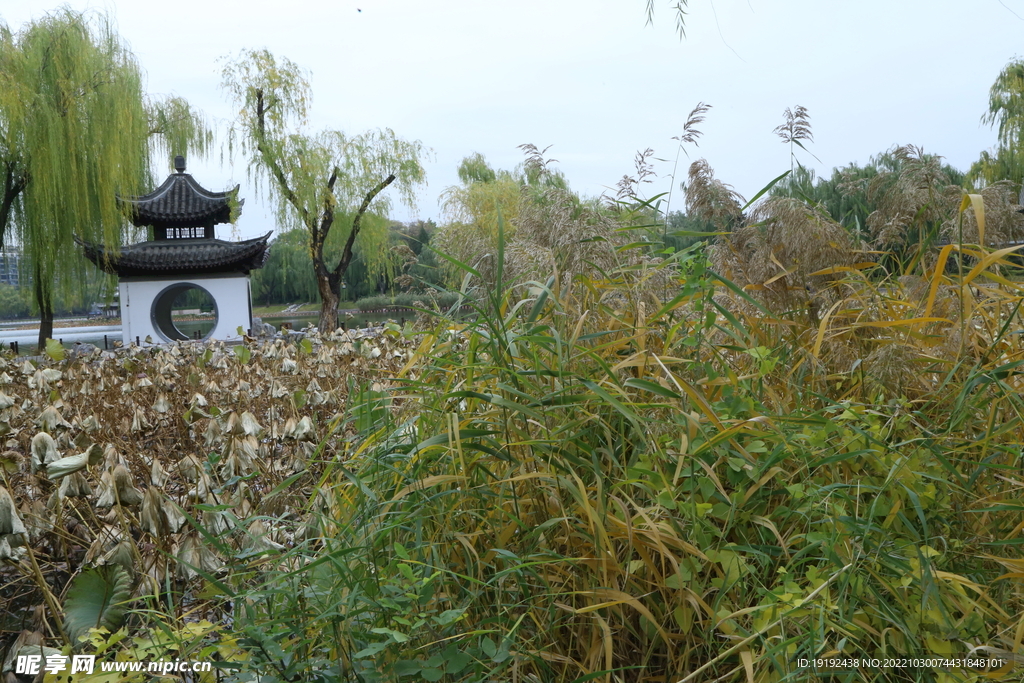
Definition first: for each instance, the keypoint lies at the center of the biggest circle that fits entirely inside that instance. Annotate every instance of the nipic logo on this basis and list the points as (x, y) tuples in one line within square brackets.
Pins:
[(29, 665)]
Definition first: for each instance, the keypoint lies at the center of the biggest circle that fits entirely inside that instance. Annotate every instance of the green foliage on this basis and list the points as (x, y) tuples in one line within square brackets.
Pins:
[(15, 302), (98, 598), (431, 300), (76, 131), (288, 275)]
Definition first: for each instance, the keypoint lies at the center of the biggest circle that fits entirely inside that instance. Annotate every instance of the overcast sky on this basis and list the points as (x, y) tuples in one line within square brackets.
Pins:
[(591, 79)]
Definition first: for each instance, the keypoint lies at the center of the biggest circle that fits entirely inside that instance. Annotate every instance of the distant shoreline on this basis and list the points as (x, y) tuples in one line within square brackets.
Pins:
[(29, 324)]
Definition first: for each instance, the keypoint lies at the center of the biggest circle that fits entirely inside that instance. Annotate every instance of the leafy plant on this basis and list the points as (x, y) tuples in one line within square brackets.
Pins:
[(97, 598)]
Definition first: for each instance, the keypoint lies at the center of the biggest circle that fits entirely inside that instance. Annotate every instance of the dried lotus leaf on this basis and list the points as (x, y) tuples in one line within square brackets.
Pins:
[(74, 486), (90, 424), (214, 433), (117, 487), (127, 494), (44, 451), (258, 539), (38, 520), (112, 458), (139, 421), (162, 405), (10, 522), (66, 466), (250, 427), (303, 430), (5, 401), (12, 530), (187, 468), (157, 474), (10, 461), (159, 516), (195, 552), (107, 497), (50, 419)]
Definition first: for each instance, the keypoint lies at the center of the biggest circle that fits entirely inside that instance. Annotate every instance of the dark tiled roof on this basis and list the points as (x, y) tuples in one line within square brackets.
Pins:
[(181, 202), (180, 257)]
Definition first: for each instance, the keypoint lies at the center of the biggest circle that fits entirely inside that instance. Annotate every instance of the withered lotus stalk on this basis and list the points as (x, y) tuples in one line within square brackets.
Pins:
[(44, 451)]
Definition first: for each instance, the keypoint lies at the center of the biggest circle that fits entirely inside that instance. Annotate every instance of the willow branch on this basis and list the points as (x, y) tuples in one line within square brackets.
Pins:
[(346, 256), (271, 162)]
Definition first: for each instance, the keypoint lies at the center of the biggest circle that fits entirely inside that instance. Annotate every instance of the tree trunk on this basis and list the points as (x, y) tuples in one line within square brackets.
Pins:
[(45, 315), (330, 295)]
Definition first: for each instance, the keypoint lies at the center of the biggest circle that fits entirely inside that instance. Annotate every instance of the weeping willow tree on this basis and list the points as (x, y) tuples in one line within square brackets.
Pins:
[(322, 182), (1006, 114), (76, 131)]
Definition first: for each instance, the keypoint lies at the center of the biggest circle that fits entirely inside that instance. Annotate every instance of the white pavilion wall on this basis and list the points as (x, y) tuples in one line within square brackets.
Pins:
[(230, 293)]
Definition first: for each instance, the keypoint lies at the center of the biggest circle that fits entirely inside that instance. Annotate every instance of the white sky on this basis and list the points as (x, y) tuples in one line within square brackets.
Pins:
[(590, 79)]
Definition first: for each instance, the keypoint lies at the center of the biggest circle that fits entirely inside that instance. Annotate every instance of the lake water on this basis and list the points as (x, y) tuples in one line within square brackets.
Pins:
[(94, 334)]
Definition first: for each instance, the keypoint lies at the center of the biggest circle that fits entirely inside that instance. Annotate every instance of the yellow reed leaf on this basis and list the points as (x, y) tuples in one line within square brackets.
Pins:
[(747, 657), (780, 276), (988, 260), (979, 213), (905, 321), (608, 593), (761, 482), (937, 278), (832, 270), (821, 328)]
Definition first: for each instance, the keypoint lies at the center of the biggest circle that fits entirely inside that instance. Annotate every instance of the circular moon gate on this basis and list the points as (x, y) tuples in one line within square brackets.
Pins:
[(163, 305)]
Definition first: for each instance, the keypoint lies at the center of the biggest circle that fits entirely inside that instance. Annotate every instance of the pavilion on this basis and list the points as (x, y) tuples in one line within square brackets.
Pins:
[(183, 254)]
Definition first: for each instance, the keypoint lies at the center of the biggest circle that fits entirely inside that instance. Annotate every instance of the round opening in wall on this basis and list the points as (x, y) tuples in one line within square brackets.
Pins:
[(184, 311)]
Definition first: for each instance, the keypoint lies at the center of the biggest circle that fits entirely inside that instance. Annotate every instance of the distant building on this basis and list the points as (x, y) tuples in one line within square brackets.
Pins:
[(10, 268)]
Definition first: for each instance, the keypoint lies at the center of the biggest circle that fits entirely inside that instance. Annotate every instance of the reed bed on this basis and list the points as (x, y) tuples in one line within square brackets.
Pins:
[(589, 480)]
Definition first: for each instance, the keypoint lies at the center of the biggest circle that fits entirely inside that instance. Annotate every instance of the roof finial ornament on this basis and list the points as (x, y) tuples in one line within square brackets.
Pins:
[(179, 164)]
